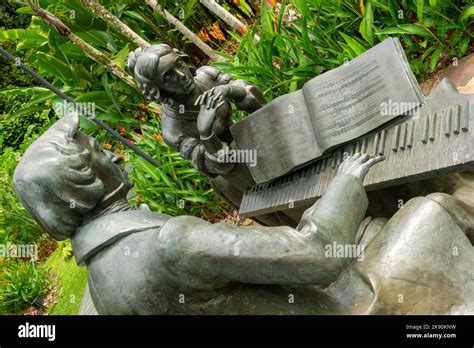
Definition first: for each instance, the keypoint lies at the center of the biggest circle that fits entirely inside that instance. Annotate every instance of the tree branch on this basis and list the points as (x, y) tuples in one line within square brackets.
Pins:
[(91, 51)]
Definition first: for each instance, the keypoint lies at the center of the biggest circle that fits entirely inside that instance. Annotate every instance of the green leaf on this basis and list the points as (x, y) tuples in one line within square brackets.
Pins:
[(354, 44), (135, 15), (98, 38), (55, 49), (434, 4), (196, 199), (16, 34), (435, 59), (406, 29), (30, 43), (95, 97), (121, 56), (419, 9), (26, 111), (427, 52), (55, 67), (366, 25), (302, 6), (156, 173), (468, 12), (464, 44), (26, 10), (16, 91)]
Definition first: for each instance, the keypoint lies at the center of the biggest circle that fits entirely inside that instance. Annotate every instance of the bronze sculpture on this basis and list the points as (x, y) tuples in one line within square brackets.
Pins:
[(417, 262), (165, 75)]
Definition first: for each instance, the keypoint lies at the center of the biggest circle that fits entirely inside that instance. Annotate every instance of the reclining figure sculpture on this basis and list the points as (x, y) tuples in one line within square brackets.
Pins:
[(141, 262)]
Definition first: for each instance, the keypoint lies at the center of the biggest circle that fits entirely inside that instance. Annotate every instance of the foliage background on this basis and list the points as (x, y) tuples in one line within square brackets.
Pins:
[(298, 40)]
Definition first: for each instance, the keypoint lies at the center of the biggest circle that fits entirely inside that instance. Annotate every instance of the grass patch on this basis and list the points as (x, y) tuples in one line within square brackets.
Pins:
[(72, 280)]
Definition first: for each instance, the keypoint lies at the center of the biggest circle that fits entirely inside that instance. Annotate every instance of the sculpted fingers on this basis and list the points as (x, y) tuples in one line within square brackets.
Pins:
[(215, 99), (355, 156), (363, 158), (209, 97), (374, 160), (198, 100)]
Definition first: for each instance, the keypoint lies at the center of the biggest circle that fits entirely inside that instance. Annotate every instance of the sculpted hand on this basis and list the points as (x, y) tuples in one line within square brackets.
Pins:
[(209, 97), (358, 165), (207, 116)]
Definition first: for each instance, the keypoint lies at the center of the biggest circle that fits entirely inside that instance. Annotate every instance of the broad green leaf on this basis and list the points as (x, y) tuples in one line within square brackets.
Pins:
[(135, 15), (73, 52), (419, 9), (30, 43), (112, 117), (14, 91), (366, 25), (25, 10), (121, 56), (55, 49), (406, 29), (156, 173), (469, 11), (435, 59), (434, 4), (98, 38), (16, 34), (302, 6), (196, 199), (55, 67), (95, 96), (26, 111), (354, 44), (464, 44), (427, 52)]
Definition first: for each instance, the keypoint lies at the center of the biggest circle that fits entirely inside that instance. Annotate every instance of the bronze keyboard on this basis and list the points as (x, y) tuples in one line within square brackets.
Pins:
[(419, 147)]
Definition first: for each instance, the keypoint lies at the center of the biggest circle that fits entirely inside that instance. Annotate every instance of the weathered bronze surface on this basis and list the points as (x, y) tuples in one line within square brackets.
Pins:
[(419, 261), (197, 115)]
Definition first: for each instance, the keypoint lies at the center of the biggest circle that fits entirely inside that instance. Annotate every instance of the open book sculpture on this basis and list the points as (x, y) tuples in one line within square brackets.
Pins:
[(331, 109), (373, 105)]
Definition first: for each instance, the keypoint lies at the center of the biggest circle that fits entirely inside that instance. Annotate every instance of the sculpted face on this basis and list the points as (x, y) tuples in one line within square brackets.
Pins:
[(174, 76), (105, 165)]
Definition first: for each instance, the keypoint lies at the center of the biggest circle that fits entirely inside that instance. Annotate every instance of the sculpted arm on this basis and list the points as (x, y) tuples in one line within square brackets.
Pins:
[(209, 255)]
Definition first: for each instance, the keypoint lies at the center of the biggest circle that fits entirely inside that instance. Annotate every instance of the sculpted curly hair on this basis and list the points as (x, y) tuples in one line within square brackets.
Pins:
[(55, 181), (143, 65)]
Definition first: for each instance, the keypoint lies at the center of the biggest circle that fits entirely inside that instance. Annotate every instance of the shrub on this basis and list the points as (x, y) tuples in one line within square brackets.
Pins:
[(323, 34), (21, 281), (16, 225)]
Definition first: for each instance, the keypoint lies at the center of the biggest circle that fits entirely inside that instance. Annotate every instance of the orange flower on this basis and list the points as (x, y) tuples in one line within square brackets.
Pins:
[(272, 3), (121, 130), (107, 146), (203, 35), (216, 32), (158, 137), (138, 199)]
